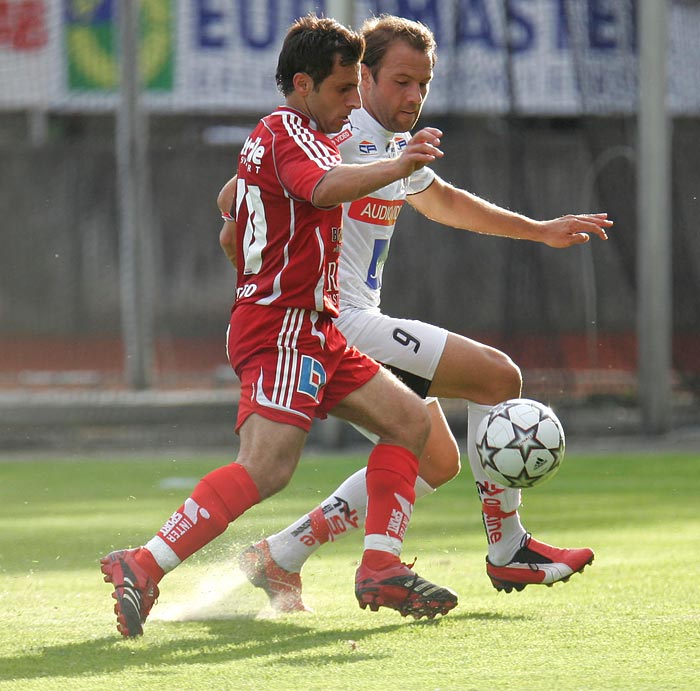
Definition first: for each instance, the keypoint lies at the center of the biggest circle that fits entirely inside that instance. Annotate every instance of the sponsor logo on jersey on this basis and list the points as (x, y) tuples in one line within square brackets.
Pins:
[(367, 147), (378, 212), (342, 136), (312, 377), (245, 291), (401, 142), (252, 151)]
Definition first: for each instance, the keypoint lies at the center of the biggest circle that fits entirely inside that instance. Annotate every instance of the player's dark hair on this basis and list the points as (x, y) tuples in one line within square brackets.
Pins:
[(380, 32), (311, 46)]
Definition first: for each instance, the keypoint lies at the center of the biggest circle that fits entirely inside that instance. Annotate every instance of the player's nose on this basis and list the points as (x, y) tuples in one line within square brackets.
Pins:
[(355, 100), (415, 95)]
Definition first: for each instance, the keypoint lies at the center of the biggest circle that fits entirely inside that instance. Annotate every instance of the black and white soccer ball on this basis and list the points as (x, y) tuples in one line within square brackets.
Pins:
[(520, 443)]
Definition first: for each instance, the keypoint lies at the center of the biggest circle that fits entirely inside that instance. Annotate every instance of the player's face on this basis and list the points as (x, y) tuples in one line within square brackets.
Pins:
[(395, 98), (333, 100)]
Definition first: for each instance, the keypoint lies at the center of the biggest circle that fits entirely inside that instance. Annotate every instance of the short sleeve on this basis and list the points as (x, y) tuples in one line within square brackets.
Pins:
[(420, 180), (302, 156)]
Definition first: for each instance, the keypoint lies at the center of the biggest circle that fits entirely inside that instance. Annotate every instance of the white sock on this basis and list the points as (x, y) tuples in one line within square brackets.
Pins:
[(503, 534), (340, 514)]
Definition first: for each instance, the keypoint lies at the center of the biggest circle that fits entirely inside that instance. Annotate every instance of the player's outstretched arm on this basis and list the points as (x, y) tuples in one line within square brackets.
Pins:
[(227, 235), (573, 229), (348, 182), (458, 208)]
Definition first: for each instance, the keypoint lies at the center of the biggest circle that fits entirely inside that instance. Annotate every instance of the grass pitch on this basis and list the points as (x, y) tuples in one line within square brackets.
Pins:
[(631, 621)]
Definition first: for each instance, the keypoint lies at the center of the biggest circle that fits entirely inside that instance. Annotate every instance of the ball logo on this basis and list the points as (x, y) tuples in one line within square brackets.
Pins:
[(92, 36)]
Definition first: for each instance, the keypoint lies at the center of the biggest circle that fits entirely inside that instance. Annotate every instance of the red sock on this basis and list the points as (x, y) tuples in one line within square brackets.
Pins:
[(218, 499), (149, 564), (391, 479)]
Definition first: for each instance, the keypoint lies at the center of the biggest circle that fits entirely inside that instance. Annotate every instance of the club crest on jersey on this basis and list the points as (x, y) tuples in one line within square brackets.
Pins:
[(367, 147)]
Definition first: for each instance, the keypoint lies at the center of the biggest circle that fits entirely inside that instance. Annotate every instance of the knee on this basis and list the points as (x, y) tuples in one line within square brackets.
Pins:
[(412, 427), (418, 426), (505, 380), (269, 477), (440, 461)]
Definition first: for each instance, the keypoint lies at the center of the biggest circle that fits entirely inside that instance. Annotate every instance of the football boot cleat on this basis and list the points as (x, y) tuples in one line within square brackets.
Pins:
[(400, 588), (135, 591)]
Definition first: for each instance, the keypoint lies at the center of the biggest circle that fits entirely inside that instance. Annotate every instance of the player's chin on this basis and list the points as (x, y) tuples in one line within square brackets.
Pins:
[(407, 120)]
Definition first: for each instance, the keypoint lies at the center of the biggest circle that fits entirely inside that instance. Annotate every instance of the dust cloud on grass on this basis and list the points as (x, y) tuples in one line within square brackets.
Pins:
[(207, 586)]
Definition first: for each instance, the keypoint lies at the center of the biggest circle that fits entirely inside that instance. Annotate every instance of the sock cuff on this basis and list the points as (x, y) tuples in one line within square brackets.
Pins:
[(234, 487), (396, 459)]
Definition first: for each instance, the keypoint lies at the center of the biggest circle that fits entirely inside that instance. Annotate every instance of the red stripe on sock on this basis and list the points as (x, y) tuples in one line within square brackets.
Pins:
[(319, 526), (494, 511)]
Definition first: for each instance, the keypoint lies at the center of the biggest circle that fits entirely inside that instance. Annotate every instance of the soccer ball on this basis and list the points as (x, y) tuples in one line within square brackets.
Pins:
[(520, 443)]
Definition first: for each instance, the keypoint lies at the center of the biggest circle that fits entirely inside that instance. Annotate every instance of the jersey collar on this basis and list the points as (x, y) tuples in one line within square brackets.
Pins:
[(361, 119), (306, 119)]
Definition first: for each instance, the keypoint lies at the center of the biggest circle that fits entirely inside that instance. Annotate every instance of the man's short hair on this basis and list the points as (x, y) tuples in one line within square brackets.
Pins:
[(311, 46), (380, 32)]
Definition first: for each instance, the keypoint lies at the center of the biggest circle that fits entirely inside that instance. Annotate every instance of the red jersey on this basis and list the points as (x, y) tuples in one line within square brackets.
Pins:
[(288, 249)]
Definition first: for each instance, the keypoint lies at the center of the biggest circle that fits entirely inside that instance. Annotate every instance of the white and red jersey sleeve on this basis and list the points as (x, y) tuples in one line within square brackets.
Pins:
[(288, 248)]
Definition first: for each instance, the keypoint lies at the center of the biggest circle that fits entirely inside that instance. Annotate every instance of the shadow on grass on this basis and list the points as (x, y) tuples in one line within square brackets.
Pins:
[(226, 641)]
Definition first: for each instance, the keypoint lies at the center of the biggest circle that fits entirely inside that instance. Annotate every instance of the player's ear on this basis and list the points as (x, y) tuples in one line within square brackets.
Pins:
[(365, 73), (303, 83)]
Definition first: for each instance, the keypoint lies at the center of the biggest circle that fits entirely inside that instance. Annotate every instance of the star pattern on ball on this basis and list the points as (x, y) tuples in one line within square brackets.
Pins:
[(525, 440), (513, 450), (487, 453), (523, 480)]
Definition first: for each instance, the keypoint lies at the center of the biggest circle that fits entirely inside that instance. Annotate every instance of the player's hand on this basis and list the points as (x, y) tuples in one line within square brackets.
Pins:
[(574, 229), (421, 149)]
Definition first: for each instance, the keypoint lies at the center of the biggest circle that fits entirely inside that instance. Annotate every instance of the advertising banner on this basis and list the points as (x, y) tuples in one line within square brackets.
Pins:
[(530, 57)]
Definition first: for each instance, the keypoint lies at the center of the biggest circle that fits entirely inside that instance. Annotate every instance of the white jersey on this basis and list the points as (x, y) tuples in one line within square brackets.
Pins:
[(368, 223), (411, 349)]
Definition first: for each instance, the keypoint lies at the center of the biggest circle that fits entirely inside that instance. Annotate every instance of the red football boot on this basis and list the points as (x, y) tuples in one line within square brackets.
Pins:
[(282, 587), (135, 591), (400, 588), (538, 563)]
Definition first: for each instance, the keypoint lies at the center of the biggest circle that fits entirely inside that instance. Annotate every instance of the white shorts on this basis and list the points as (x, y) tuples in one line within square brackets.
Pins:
[(406, 346)]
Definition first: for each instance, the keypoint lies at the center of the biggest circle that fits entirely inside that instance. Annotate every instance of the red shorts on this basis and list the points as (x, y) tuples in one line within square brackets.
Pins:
[(294, 364)]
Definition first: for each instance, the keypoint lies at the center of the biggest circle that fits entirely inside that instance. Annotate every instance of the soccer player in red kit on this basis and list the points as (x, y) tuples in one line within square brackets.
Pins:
[(292, 361)]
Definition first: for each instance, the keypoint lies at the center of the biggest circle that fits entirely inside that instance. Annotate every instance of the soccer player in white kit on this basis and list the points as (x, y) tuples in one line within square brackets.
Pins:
[(396, 73)]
